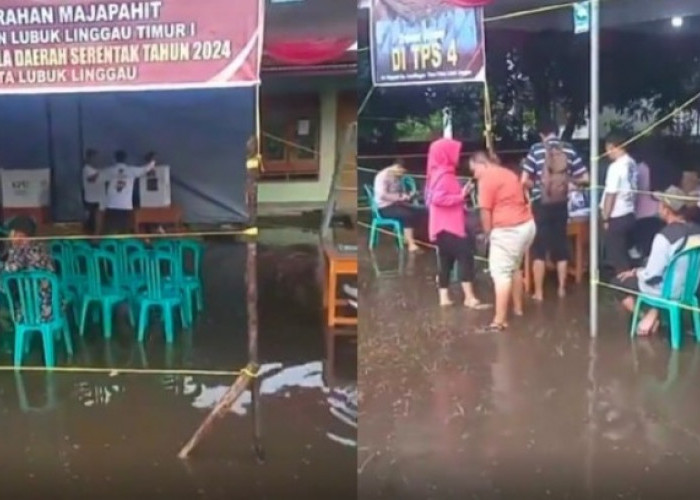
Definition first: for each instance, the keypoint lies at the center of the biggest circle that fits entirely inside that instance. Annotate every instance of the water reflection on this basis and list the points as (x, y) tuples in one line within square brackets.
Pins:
[(41, 392), (41, 400), (277, 380)]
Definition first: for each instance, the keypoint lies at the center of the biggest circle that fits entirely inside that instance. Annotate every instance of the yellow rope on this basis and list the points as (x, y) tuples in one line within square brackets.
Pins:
[(627, 291), (530, 12), (488, 119), (248, 371), (251, 231), (657, 123), (610, 286)]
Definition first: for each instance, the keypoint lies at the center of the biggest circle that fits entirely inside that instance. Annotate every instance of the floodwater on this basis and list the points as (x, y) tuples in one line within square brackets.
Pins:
[(540, 411), (115, 435)]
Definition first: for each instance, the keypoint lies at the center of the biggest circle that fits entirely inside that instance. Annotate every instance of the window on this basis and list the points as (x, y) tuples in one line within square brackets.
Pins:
[(291, 132)]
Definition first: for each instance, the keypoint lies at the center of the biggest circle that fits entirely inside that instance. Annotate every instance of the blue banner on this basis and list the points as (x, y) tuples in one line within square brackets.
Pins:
[(412, 44)]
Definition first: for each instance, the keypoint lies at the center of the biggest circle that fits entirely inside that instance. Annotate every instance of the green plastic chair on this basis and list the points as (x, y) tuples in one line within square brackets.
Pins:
[(64, 270), (109, 245), (673, 305), (379, 222), (104, 288), (191, 251), (158, 293), (410, 186), (133, 279), (23, 291)]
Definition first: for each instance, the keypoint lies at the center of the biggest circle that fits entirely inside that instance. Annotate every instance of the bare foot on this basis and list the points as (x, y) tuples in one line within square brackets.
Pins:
[(561, 293), (474, 303), (518, 312), (647, 328), (446, 303), (538, 297), (414, 249)]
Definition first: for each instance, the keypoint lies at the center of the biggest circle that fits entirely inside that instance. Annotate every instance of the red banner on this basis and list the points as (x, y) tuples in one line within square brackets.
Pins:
[(49, 46)]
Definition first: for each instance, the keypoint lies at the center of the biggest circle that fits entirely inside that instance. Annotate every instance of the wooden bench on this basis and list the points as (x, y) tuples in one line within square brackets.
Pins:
[(578, 233)]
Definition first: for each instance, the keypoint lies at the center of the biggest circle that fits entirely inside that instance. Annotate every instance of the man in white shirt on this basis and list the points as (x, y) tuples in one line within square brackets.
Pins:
[(618, 203), (93, 192), (119, 201)]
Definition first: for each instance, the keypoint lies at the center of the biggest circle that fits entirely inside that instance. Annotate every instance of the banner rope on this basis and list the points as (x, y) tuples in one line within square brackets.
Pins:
[(251, 231), (248, 370), (603, 284)]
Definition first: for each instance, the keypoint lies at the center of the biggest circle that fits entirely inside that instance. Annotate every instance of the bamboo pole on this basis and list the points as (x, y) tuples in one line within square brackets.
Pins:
[(248, 376), (234, 392), (254, 166)]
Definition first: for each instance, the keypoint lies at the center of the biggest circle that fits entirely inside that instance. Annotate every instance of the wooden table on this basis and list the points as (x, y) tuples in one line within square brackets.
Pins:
[(337, 264), (578, 232), (164, 216), (41, 215)]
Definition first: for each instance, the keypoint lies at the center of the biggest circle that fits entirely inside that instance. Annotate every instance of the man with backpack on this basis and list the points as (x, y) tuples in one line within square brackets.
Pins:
[(550, 168)]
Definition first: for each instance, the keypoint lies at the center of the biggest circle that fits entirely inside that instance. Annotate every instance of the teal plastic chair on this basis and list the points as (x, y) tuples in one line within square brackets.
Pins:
[(64, 270), (23, 291), (190, 279), (159, 294), (379, 222), (109, 245), (104, 288), (164, 245), (410, 186), (672, 305), (133, 279)]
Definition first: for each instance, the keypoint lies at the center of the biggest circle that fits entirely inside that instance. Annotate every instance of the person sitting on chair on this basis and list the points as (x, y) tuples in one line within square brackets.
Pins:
[(677, 235), (394, 203), (26, 254)]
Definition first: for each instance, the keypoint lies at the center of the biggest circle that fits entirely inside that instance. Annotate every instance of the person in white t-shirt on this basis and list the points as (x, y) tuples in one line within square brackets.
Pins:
[(93, 192), (618, 203), (119, 199)]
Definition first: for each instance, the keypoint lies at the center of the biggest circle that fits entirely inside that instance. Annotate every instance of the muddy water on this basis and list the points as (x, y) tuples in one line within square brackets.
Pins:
[(114, 436), (539, 411)]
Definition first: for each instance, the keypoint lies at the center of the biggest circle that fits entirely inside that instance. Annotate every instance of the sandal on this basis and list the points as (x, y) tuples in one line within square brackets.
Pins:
[(494, 328)]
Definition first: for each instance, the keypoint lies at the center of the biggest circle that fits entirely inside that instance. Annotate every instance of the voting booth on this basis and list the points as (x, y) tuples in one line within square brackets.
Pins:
[(154, 189), (192, 102), (26, 188), (26, 192)]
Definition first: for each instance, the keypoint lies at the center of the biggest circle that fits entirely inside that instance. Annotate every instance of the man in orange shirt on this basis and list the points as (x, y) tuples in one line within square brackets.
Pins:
[(508, 223)]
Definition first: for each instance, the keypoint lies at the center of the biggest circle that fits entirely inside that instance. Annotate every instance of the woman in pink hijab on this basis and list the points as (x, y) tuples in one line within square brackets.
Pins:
[(445, 199)]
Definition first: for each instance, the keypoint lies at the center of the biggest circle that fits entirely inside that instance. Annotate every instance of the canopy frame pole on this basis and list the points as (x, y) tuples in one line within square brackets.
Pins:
[(594, 137)]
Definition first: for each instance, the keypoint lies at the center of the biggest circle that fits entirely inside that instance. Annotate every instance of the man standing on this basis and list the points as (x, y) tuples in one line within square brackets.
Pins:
[(507, 221), (119, 203), (548, 170), (619, 203), (93, 192)]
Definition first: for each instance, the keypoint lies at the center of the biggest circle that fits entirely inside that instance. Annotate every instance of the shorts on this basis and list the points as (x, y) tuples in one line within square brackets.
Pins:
[(507, 249), (552, 222)]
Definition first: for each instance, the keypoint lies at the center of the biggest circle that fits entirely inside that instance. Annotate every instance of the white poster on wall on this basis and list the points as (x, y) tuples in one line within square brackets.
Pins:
[(154, 189), (26, 188)]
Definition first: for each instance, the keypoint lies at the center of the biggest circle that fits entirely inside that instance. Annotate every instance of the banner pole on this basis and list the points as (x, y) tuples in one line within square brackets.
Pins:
[(594, 136)]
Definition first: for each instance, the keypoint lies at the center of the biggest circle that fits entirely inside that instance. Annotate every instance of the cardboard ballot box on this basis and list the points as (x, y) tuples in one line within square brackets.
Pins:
[(154, 189), (26, 188)]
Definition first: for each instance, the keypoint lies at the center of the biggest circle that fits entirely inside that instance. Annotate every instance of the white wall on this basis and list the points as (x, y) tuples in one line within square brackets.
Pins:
[(310, 191)]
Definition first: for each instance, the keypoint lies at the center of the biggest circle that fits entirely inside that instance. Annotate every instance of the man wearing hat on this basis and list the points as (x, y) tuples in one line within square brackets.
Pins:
[(677, 235)]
